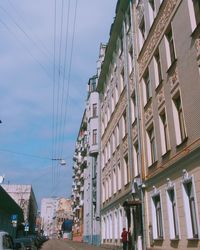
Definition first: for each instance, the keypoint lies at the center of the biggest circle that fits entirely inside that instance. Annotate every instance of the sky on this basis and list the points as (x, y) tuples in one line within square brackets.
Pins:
[(47, 54)]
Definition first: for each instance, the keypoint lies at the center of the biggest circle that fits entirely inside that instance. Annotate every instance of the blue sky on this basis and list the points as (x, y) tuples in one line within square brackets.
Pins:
[(26, 86)]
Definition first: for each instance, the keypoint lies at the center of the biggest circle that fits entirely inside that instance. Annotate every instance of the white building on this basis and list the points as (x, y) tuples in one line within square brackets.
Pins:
[(49, 207)]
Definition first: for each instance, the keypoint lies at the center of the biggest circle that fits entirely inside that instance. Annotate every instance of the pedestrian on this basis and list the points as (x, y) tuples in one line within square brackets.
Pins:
[(124, 236)]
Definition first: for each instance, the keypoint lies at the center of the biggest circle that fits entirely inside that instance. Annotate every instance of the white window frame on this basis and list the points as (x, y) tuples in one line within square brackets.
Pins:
[(164, 133), (172, 213), (188, 219), (154, 216), (177, 122)]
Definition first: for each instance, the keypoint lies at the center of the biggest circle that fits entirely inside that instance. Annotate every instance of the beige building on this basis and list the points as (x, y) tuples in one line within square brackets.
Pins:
[(116, 87), (63, 212), (169, 91), (150, 125)]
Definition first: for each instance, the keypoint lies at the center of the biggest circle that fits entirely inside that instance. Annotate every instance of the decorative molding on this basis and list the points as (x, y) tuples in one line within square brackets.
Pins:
[(134, 132), (118, 111), (140, 11), (125, 144), (170, 185), (148, 115), (156, 33), (160, 97), (186, 178), (197, 43), (174, 79)]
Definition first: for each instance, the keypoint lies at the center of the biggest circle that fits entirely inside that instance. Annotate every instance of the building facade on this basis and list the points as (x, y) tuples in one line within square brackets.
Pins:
[(169, 77), (49, 206), (11, 215), (25, 198), (63, 212), (79, 180), (149, 143)]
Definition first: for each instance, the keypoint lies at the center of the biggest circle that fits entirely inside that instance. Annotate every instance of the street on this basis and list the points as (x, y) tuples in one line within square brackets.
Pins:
[(68, 245)]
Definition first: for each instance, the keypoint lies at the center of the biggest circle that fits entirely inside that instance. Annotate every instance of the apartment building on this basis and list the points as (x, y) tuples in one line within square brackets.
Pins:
[(79, 183), (120, 200), (169, 92)]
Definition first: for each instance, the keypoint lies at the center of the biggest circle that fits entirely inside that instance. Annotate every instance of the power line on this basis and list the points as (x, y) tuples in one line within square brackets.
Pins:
[(25, 154)]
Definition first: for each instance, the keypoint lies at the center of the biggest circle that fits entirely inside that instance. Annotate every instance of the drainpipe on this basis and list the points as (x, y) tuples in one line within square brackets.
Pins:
[(138, 111)]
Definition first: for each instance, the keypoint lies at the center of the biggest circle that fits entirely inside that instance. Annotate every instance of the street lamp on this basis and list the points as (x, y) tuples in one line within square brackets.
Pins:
[(62, 161)]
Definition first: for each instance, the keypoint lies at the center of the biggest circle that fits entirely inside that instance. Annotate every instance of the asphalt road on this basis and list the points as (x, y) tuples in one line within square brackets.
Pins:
[(68, 245)]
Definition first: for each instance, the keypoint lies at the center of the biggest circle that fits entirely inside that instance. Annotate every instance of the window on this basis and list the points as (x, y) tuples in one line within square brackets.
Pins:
[(116, 93), (114, 181), (103, 192), (122, 81), (172, 213), (94, 136), (136, 159), (152, 11), (158, 71), (124, 125), (190, 208), (112, 103), (179, 119), (157, 217), (117, 135), (170, 47), (146, 87), (119, 176), (109, 187), (164, 135), (130, 60), (133, 108), (116, 227), (194, 12), (126, 171), (151, 146), (141, 32), (94, 110), (113, 142)]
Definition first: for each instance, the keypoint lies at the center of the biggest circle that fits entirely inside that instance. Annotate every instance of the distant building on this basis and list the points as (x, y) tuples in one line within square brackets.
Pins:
[(49, 207), (63, 212), (78, 186), (25, 198)]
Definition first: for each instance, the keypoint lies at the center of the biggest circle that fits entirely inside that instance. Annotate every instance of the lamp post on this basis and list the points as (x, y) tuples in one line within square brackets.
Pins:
[(62, 161)]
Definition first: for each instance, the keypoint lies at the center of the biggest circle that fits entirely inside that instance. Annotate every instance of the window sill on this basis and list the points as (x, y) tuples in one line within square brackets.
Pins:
[(166, 154), (159, 239), (153, 164), (182, 143), (193, 239), (175, 239), (172, 66)]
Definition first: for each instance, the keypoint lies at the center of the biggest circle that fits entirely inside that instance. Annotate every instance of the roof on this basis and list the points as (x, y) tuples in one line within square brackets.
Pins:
[(115, 32)]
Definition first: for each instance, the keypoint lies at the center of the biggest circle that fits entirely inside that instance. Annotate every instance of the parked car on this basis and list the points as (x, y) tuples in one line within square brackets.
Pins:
[(6, 242), (19, 245), (28, 243)]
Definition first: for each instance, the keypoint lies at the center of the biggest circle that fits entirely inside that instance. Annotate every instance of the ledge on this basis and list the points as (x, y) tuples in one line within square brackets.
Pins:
[(182, 143)]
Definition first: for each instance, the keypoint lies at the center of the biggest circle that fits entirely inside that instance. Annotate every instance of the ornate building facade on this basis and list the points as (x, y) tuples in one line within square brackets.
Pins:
[(169, 77)]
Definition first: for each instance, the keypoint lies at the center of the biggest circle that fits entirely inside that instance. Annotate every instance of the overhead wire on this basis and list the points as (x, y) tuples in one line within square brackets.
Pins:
[(53, 94), (58, 89)]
